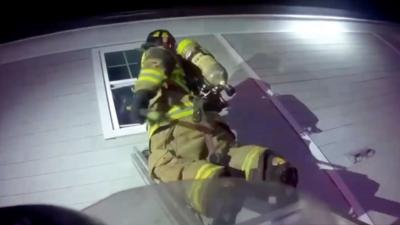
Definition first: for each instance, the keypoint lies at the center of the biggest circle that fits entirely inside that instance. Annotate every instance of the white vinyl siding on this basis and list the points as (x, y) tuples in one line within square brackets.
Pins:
[(52, 148)]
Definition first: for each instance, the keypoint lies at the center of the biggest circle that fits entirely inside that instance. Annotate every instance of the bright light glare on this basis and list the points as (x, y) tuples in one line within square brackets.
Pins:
[(323, 30)]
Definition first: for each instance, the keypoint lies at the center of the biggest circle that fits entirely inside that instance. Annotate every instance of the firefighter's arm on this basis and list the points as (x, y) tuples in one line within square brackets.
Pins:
[(211, 69), (156, 66)]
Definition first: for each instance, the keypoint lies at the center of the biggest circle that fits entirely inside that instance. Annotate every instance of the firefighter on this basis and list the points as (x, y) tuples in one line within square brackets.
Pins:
[(182, 146)]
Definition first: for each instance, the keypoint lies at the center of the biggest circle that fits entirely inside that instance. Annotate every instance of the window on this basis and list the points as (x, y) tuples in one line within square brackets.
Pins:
[(116, 70)]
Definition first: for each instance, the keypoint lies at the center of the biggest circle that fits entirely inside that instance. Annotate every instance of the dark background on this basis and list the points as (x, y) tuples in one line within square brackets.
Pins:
[(24, 19)]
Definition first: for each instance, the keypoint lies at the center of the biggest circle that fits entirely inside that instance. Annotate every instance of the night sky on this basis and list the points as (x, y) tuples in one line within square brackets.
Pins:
[(24, 19)]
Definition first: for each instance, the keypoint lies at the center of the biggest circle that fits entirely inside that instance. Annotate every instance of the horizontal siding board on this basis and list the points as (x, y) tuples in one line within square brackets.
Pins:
[(247, 43), (50, 60), (357, 91), (52, 149), (336, 82), (52, 136), (320, 71), (35, 98), (76, 197), (52, 122), (65, 163), (302, 75), (18, 154), (371, 108), (275, 62), (62, 180), (360, 135), (387, 125), (323, 50)]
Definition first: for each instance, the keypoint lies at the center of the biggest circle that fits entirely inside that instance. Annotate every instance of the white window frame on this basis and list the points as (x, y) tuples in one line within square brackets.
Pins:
[(108, 115)]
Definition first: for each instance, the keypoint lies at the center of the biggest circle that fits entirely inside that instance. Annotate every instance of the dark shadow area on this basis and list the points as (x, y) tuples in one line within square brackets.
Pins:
[(307, 121), (44, 215), (256, 121)]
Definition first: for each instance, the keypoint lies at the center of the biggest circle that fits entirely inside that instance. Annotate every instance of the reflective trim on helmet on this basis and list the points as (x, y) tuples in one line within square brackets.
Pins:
[(165, 35), (156, 34)]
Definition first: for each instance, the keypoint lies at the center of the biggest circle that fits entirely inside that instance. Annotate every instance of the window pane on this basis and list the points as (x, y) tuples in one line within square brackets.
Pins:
[(135, 69), (114, 58), (118, 73), (134, 56), (122, 99)]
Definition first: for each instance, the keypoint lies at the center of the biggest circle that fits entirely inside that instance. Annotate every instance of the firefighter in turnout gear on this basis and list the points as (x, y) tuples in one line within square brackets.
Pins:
[(178, 94)]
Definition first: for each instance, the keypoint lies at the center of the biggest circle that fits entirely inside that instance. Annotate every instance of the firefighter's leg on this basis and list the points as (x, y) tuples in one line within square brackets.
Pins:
[(259, 163), (179, 153)]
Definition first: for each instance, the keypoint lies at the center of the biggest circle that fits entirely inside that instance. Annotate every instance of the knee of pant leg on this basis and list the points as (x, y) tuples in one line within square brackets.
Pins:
[(158, 158), (277, 169)]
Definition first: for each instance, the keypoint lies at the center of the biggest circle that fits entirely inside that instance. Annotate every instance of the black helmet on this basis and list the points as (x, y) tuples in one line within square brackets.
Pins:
[(160, 38)]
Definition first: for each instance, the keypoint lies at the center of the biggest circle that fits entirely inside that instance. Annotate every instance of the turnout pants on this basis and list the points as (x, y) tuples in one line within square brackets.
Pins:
[(179, 151)]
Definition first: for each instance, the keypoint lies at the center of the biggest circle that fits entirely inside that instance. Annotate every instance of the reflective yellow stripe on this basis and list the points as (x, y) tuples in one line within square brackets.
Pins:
[(201, 170), (248, 161), (182, 114), (174, 109), (155, 76), (196, 196), (207, 171), (175, 113), (183, 45), (155, 72), (150, 79), (181, 111), (188, 103), (179, 114), (210, 172), (152, 128)]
